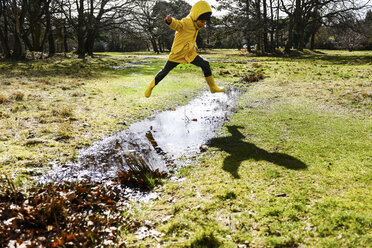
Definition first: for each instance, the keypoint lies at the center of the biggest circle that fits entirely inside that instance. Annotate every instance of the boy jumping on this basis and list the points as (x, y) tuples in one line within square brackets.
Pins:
[(184, 49)]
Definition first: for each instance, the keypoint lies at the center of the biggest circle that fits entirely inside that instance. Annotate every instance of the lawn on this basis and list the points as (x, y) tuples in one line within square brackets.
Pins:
[(292, 168)]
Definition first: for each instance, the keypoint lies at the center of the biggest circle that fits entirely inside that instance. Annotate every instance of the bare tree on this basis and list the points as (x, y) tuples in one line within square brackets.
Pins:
[(37, 28), (239, 22), (253, 20), (145, 20), (302, 13), (24, 24), (88, 17)]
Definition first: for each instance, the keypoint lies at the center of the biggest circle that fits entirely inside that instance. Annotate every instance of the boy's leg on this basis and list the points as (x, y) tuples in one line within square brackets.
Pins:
[(204, 64), (169, 65)]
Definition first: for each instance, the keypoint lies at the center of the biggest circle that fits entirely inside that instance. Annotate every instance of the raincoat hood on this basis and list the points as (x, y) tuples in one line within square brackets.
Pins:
[(184, 48), (198, 9)]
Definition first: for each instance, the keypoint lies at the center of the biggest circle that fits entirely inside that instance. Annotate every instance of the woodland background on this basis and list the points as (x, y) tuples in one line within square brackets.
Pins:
[(28, 27)]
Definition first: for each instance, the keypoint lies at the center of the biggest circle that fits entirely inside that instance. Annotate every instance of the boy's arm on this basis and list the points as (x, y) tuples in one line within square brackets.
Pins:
[(173, 23)]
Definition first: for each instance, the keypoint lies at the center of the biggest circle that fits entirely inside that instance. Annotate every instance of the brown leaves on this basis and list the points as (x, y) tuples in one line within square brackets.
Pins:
[(62, 215)]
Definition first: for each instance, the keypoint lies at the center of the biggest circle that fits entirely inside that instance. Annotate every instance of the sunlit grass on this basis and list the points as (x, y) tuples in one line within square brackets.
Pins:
[(291, 168), (92, 99)]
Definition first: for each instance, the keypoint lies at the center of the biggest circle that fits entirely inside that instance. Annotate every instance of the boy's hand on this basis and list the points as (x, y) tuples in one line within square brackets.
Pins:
[(168, 19)]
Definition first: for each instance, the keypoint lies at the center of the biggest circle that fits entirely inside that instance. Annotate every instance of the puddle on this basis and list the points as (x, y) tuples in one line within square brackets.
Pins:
[(240, 61), (162, 141), (126, 66), (131, 65)]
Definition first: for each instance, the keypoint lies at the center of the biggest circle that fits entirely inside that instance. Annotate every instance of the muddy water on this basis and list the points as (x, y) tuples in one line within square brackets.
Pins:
[(161, 141)]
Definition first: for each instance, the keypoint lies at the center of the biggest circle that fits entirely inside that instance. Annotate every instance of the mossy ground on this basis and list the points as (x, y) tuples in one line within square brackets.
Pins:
[(292, 168)]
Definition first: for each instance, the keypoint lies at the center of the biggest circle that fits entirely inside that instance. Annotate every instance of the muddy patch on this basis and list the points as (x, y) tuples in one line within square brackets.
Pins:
[(161, 142)]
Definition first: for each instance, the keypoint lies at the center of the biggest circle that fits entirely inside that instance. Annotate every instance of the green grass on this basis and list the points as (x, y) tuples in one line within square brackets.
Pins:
[(49, 109), (292, 168)]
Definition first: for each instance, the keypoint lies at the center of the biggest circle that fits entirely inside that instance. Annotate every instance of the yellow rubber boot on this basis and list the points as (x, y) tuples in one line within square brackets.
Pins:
[(212, 85), (149, 88)]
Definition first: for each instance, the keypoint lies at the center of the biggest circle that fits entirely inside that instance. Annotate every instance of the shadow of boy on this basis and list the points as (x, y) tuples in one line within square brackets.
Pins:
[(240, 151)]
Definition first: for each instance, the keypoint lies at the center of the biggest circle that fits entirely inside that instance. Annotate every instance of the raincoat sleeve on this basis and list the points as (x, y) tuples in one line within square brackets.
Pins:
[(176, 25)]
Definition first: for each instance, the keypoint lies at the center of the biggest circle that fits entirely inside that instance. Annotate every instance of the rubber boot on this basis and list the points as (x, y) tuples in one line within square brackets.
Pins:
[(149, 88), (212, 85)]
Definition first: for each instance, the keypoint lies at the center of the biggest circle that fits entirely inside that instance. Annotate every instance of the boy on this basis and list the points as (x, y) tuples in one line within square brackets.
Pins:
[(184, 49)]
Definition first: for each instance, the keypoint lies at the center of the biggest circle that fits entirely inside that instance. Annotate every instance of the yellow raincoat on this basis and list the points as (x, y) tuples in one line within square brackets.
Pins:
[(184, 49)]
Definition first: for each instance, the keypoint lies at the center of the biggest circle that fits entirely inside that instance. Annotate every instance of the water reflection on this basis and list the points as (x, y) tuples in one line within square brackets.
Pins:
[(160, 140)]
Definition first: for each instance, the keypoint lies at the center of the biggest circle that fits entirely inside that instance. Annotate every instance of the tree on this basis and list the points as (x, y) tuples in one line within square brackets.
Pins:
[(148, 17), (25, 24), (49, 29), (349, 32), (18, 11), (239, 22), (144, 20), (302, 13), (254, 19), (4, 28), (89, 17), (368, 28), (160, 10)]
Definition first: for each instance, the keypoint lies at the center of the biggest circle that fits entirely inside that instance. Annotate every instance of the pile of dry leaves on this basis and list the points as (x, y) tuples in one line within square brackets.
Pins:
[(69, 215)]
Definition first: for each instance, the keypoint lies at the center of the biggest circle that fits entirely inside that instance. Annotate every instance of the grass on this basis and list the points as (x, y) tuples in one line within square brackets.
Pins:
[(292, 168), (70, 104)]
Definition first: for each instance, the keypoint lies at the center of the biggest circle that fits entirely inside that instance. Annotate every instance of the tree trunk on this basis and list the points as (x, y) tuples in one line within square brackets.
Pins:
[(4, 32), (19, 51), (49, 30), (272, 28), (52, 47), (301, 38), (247, 25), (35, 31), (91, 30), (265, 33), (81, 46), (259, 24), (312, 41), (277, 26), (4, 44), (288, 45), (64, 37), (89, 43), (154, 45), (80, 30), (299, 25), (161, 47)]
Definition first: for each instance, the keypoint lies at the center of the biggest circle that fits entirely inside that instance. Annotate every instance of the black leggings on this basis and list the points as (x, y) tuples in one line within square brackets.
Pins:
[(198, 61)]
